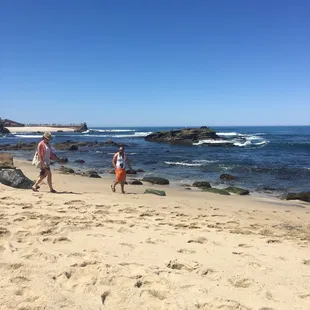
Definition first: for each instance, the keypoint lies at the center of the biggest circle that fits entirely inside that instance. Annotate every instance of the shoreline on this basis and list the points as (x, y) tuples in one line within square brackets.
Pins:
[(174, 183), (174, 188)]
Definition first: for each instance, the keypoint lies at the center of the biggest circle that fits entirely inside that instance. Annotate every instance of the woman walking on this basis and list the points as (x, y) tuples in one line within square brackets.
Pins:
[(45, 154)]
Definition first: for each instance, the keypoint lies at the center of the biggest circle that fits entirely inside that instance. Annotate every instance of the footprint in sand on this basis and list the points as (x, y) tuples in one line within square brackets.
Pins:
[(187, 251), (273, 241), (200, 240), (179, 266), (304, 296), (161, 295), (241, 283), (61, 239), (232, 305), (4, 232), (128, 245), (19, 280), (243, 245)]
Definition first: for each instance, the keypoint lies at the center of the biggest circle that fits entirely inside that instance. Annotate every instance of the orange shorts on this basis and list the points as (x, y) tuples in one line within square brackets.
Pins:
[(120, 175)]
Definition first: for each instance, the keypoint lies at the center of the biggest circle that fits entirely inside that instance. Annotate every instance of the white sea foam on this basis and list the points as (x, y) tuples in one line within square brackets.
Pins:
[(245, 143), (110, 130), (209, 141), (235, 142), (228, 134), (204, 161), (135, 135), (262, 143), (29, 136), (254, 138), (183, 164)]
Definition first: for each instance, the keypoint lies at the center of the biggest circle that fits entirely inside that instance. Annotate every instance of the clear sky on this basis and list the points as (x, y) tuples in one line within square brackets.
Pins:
[(163, 62)]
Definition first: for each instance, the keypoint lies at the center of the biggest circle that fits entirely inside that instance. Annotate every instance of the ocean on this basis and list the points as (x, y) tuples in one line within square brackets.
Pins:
[(265, 160)]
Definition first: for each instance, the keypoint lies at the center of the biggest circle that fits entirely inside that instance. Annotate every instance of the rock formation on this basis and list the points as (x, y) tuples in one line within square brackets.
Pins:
[(184, 136)]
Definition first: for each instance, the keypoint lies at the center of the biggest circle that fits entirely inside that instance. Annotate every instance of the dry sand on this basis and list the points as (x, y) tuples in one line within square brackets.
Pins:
[(89, 248), (41, 129)]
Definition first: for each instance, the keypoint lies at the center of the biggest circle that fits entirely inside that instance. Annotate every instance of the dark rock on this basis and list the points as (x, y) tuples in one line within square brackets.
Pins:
[(73, 148), (62, 160), (15, 178), (304, 196), (184, 136), (140, 170), (131, 171), (216, 191), (3, 130), (267, 189), (155, 192), (156, 180), (66, 170), (80, 161), (6, 161), (135, 182), (92, 174), (201, 184), (60, 131), (237, 190), (82, 128), (19, 146), (71, 145), (227, 177)]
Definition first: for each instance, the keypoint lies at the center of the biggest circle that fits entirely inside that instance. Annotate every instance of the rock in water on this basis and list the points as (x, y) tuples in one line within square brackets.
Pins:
[(62, 160), (184, 136), (304, 196), (6, 161), (3, 130), (227, 177), (82, 128), (15, 178), (156, 180), (202, 184), (237, 190), (155, 192)]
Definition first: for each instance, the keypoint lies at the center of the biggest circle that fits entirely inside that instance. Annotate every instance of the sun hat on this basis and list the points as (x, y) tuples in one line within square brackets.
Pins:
[(48, 136)]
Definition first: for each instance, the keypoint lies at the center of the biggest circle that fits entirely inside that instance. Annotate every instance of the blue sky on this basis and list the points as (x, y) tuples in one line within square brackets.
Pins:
[(140, 63)]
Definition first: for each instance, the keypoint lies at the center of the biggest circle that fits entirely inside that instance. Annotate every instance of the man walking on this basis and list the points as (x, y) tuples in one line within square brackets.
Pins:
[(119, 162)]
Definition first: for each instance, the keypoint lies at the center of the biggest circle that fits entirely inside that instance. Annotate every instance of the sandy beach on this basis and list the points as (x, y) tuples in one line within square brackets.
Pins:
[(41, 129), (89, 248)]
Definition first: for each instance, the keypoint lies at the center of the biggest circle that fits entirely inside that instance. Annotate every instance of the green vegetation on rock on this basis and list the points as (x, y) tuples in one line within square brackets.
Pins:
[(216, 191)]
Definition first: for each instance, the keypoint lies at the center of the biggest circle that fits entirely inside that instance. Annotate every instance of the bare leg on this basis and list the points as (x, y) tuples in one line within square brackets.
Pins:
[(122, 187), (39, 180), (49, 179), (113, 186)]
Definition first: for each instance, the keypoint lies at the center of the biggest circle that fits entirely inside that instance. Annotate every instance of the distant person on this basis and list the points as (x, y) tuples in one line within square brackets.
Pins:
[(44, 156), (119, 162)]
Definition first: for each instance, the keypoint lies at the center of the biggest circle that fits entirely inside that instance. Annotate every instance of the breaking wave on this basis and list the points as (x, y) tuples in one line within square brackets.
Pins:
[(236, 139)]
